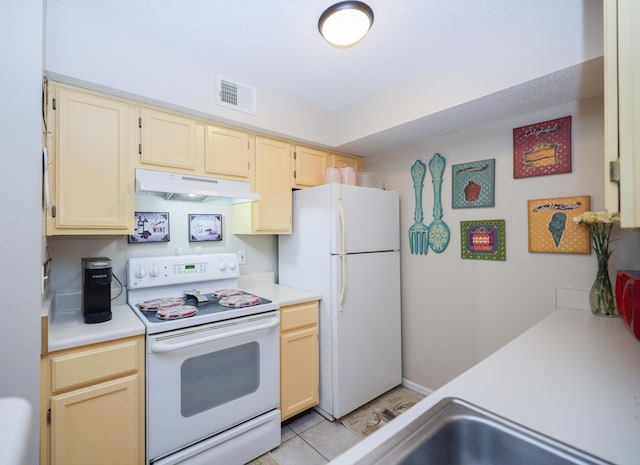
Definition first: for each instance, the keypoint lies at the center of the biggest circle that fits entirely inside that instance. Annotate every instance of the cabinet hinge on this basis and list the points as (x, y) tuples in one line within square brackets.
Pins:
[(295, 174), (53, 103), (53, 211), (140, 122), (295, 155), (614, 171), (139, 149), (48, 416)]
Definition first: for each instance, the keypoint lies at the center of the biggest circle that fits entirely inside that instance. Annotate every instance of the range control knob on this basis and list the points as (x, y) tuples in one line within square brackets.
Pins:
[(232, 265), (222, 266), (154, 272), (141, 273)]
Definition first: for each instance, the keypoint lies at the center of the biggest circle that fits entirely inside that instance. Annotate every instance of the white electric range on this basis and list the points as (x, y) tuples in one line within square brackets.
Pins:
[(213, 378)]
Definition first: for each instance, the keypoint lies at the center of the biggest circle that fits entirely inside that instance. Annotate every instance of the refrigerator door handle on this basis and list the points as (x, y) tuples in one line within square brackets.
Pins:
[(343, 291), (343, 256), (343, 227)]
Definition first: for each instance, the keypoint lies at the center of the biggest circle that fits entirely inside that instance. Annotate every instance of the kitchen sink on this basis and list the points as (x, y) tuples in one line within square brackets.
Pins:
[(455, 432)]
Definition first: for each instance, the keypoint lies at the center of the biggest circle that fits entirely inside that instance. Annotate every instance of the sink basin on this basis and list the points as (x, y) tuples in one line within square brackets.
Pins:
[(455, 432)]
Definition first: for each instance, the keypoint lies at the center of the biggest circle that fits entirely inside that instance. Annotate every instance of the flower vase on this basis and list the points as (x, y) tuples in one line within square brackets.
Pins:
[(601, 298)]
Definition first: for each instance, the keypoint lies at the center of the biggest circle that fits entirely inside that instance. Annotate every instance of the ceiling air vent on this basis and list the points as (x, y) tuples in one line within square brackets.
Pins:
[(235, 95)]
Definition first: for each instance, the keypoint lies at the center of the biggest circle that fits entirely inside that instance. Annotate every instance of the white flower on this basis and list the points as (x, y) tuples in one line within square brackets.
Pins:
[(596, 217)]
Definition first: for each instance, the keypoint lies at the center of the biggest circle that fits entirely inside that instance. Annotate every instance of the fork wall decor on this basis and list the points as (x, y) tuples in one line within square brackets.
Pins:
[(418, 232)]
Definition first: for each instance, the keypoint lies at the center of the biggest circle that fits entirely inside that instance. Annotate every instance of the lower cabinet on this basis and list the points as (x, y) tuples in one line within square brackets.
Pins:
[(299, 358), (93, 404)]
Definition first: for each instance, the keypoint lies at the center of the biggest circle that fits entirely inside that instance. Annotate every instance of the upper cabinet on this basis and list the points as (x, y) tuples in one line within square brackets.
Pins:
[(308, 167), (622, 109), (338, 160), (170, 141), (90, 180), (272, 213), (229, 152), (95, 142)]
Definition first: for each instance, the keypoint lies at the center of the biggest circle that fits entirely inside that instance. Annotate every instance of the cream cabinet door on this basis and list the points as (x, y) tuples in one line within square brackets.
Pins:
[(93, 182), (622, 108), (308, 167), (299, 371), (229, 152), (299, 360), (168, 140), (337, 160), (272, 213), (97, 425)]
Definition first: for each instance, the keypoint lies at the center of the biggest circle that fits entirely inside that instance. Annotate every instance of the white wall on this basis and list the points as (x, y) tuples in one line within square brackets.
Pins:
[(455, 311), (20, 202), (66, 251), (111, 60)]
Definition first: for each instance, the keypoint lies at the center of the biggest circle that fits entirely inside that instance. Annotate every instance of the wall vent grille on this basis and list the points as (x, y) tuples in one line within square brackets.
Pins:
[(235, 95)]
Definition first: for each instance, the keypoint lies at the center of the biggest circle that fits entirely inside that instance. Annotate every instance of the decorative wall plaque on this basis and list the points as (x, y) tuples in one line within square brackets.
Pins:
[(483, 240), (542, 148), (474, 184), (551, 226)]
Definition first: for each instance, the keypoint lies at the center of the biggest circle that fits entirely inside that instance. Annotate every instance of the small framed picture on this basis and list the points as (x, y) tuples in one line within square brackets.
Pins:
[(150, 227), (483, 240), (205, 227), (474, 184)]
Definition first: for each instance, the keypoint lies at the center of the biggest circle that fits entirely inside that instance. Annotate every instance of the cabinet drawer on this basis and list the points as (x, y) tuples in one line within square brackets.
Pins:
[(297, 316), (77, 367)]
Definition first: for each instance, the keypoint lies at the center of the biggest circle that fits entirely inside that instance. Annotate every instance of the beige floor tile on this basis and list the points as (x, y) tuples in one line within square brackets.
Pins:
[(297, 452), (305, 421), (330, 438)]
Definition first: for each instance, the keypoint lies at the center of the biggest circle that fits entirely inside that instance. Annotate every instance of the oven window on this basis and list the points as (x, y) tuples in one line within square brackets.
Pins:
[(219, 377)]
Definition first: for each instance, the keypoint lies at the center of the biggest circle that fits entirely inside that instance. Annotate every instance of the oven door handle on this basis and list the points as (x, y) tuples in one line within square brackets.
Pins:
[(161, 347)]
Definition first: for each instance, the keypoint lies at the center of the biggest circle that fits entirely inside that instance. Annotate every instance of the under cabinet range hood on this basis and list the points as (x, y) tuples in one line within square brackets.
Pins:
[(186, 187)]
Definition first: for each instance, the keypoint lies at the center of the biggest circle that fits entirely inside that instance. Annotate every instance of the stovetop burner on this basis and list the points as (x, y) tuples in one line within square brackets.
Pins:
[(190, 277), (210, 307)]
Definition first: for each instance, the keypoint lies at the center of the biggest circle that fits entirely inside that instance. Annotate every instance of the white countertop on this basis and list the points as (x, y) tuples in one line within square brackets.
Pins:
[(67, 328), (262, 284), (573, 376)]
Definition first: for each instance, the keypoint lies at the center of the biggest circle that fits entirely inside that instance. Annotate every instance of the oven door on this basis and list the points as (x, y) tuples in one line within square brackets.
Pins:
[(206, 379)]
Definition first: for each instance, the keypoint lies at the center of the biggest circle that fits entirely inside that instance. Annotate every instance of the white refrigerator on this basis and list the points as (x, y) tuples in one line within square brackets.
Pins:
[(345, 245)]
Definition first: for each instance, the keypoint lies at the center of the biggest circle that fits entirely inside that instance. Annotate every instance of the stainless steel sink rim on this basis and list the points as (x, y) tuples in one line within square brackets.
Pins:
[(452, 411)]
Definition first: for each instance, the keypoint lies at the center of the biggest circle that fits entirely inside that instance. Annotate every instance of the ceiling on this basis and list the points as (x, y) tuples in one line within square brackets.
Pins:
[(522, 46)]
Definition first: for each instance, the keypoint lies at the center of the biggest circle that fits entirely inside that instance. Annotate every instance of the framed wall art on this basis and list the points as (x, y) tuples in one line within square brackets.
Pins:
[(205, 227), (483, 240), (473, 184), (543, 148), (551, 226), (150, 227)]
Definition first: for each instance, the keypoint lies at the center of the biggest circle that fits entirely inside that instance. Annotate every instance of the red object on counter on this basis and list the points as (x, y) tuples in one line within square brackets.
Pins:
[(628, 299)]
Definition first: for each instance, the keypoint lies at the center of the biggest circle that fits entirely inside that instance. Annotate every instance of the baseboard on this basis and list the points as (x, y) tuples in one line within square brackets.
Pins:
[(416, 387)]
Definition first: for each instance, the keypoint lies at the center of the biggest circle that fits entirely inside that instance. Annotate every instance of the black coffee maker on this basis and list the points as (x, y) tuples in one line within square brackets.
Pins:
[(96, 289)]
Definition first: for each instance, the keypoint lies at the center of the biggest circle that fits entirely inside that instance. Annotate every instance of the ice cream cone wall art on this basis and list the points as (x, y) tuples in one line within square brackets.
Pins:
[(551, 225)]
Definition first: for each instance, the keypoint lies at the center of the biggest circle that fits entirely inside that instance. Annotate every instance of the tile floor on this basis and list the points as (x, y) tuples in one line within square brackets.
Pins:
[(311, 439)]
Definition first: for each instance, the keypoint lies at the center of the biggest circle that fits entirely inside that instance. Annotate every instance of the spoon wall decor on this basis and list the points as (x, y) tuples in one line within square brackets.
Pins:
[(438, 230)]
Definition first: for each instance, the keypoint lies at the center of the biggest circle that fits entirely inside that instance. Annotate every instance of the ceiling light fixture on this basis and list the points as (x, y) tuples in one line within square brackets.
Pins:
[(346, 23)]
